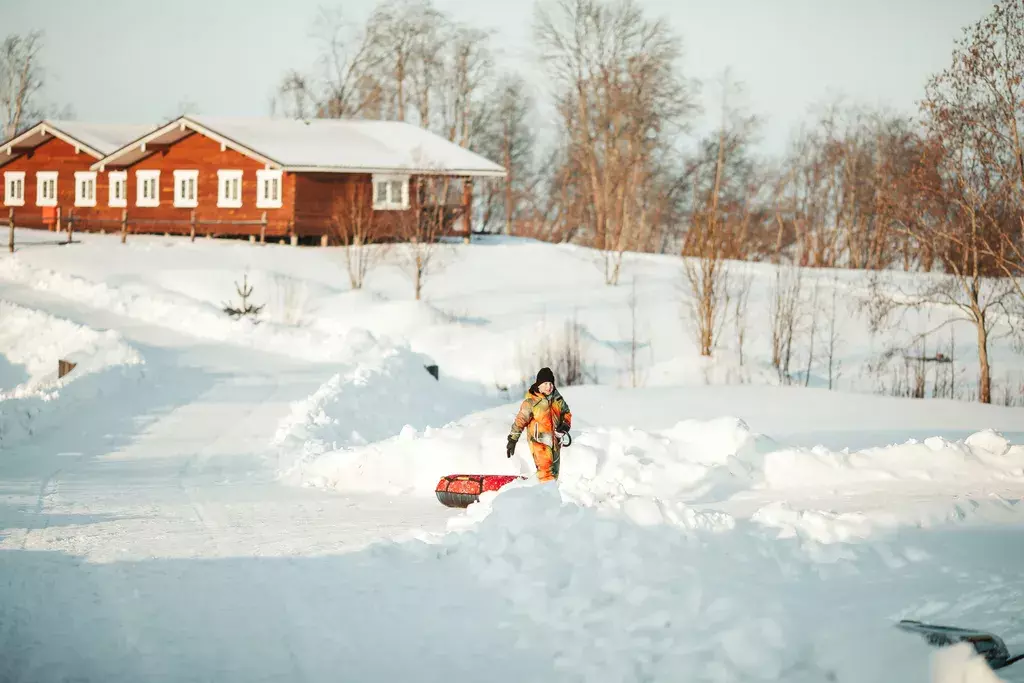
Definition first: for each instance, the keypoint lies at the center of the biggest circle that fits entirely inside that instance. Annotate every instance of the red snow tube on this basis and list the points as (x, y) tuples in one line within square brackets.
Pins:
[(459, 490)]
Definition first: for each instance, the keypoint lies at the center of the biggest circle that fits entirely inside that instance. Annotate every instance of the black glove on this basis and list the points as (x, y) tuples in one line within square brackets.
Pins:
[(510, 449)]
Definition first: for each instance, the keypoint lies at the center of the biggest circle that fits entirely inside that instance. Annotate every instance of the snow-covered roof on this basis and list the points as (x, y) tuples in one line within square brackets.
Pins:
[(323, 145), (96, 139), (102, 137)]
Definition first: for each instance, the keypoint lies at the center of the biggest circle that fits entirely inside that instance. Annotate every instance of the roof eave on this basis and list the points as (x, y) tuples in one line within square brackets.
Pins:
[(481, 173), (47, 127)]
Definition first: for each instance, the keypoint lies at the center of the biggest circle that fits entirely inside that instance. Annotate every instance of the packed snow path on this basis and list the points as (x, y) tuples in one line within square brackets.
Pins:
[(178, 465)]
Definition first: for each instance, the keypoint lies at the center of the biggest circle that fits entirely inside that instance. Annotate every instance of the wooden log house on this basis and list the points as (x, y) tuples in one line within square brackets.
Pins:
[(307, 180), (48, 167)]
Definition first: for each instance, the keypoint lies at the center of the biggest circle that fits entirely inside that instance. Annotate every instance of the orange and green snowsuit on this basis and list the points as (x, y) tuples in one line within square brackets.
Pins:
[(538, 416)]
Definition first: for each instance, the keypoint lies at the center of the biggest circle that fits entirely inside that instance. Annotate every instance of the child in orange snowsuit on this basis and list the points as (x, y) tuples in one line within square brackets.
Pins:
[(545, 417)]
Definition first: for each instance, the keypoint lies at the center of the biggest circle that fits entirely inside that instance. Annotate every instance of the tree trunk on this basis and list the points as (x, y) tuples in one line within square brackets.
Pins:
[(985, 378), (419, 276)]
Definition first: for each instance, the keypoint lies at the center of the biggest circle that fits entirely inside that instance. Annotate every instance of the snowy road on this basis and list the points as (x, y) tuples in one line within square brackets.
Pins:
[(151, 542), (182, 466)]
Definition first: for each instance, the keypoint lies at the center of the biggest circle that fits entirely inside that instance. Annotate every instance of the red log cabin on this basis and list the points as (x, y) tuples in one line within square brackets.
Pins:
[(40, 167), (305, 179)]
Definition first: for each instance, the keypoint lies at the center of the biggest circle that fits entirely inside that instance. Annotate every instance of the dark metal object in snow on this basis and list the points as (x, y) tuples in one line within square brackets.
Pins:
[(461, 490), (433, 370), (988, 645)]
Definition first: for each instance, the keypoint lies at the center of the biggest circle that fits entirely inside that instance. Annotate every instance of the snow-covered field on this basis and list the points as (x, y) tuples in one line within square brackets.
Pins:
[(253, 500)]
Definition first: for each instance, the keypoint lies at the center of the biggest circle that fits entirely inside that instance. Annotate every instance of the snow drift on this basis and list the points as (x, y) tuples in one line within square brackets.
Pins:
[(36, 341), (618, 601), (693, 461), (183, 314), (386, 391)]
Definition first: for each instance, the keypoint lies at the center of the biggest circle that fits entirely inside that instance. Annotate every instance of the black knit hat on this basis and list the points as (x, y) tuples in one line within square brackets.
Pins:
[(545, 375)]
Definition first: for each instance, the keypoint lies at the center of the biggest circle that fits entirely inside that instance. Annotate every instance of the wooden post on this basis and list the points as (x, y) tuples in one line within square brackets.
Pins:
[(10, 217), (56, 225), (71, 225), (467, 208), (263, 228), (323, 240), (192, 230), (64, 367), (124, 226)]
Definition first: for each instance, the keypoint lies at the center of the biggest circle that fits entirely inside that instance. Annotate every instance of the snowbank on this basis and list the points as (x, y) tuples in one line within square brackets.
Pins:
[(693, 461), (618, 601), (189, 316), (983, 457), (36, 341), (386, 392)]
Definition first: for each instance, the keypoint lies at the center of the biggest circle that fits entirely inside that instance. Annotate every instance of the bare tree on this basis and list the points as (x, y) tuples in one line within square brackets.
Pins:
[(423, 226), (708, 278), (348, 83), (971, 180), (637, 375), (620, 99), (786, 314), (466, 68), (811, 336), (726, 182), (976, 108), (718, 226), (295, 97), (845, 180), (511, 139), (21, 79), (978, 300), (405, 36), (355, 225), (834, 338), (741, 300)]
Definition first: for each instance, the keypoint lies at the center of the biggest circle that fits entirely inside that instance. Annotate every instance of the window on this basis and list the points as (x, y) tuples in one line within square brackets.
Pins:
[(268, 189), (46, 188), (185, 192), (229, 196), (14, 188), (118, 187), (85, 188), (390, 192), (148, 190)]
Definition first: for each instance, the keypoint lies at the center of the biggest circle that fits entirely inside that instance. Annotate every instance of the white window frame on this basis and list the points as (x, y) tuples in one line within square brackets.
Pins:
[(390, 203), (228, 180), (85, 188), (143, 196), (181, 198), (267, 181), (118, 178), (44, 198), (14, 180)]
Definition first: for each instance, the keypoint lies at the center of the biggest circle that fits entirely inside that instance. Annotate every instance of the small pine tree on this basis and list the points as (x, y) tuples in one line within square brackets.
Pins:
[(244, 291)]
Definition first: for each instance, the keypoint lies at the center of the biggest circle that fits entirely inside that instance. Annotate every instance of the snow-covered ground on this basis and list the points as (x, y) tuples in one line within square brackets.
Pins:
[(254, 500), (31, 389)]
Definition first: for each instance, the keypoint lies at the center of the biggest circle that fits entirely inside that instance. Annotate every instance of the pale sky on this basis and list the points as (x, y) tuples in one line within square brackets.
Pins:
[(137, 60)]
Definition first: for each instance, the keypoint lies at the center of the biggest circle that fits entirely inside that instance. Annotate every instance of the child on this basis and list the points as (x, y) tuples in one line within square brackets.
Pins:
[(545, 416)]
